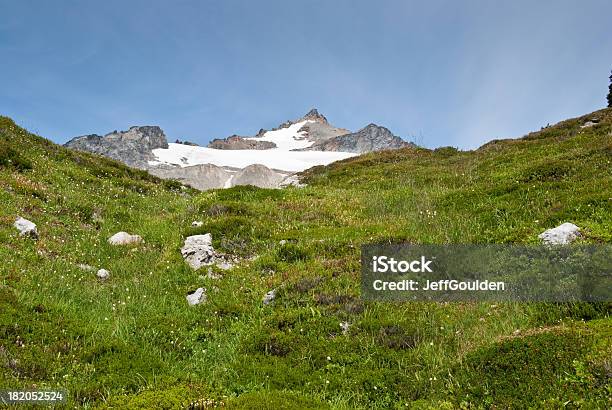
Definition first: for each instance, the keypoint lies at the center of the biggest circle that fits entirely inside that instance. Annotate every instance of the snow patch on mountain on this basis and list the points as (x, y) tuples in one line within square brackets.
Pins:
[(287, 139), (280, 159)]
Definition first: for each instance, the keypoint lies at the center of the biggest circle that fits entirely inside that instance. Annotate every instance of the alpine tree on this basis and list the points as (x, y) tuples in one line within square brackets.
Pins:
[(610, 93)]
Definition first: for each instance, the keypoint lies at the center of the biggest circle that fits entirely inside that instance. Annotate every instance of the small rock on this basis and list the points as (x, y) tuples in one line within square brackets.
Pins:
[(103, 274), (198, 251), (196, 297), (345, 326), (269, 297), (124, 238), (590, 123), (26, 228), (561, 235), (197, 224), (282, 242)]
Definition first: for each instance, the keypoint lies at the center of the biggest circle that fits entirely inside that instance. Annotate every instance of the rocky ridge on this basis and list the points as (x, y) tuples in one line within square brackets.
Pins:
[(238, 142), (370, 138), (135, 146)]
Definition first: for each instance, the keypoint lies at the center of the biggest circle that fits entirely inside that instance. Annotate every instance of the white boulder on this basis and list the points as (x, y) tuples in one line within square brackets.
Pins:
[(561, 235), (103, 274), (26, 228), (196, 297), (124, 238)]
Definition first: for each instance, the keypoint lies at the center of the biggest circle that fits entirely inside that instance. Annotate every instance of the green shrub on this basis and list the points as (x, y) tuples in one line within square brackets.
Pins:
[(445, 152), (9, 158), (248, 193), (275, 400), (229, 227), (521, 372), (291, 252), (551, 170), (552, 313), (274, 343), (227, 208), (177, 397)]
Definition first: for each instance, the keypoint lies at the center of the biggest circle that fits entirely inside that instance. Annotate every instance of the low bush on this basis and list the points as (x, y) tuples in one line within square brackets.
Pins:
[(274, 400), (9, 158)]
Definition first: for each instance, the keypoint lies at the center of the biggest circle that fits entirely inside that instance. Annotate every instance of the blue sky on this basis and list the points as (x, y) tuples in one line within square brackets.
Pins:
[(441, 72)]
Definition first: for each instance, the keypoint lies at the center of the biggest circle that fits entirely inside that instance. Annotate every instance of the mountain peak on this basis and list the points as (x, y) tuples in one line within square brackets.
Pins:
[(314, 115), (376, 130)]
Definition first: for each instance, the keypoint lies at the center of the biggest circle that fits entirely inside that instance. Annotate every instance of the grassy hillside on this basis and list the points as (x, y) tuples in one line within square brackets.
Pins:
[(132, 341)]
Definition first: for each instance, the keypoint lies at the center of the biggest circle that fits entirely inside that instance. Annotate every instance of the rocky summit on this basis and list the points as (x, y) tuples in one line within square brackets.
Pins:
[(314, 115)]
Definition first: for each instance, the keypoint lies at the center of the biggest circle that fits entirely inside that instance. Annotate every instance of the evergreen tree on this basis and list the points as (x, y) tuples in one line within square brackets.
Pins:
[(610, 93)]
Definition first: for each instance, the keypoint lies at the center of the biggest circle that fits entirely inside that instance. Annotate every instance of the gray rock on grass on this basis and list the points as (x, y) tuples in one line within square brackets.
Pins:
[(196, 297), (124, 238), (198, 251), (590, 123), (561, 235), (269, 297), (26, 228), (103, 274)]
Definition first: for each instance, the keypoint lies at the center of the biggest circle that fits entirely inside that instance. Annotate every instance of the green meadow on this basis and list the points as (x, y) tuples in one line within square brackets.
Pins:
[(133, 342)]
